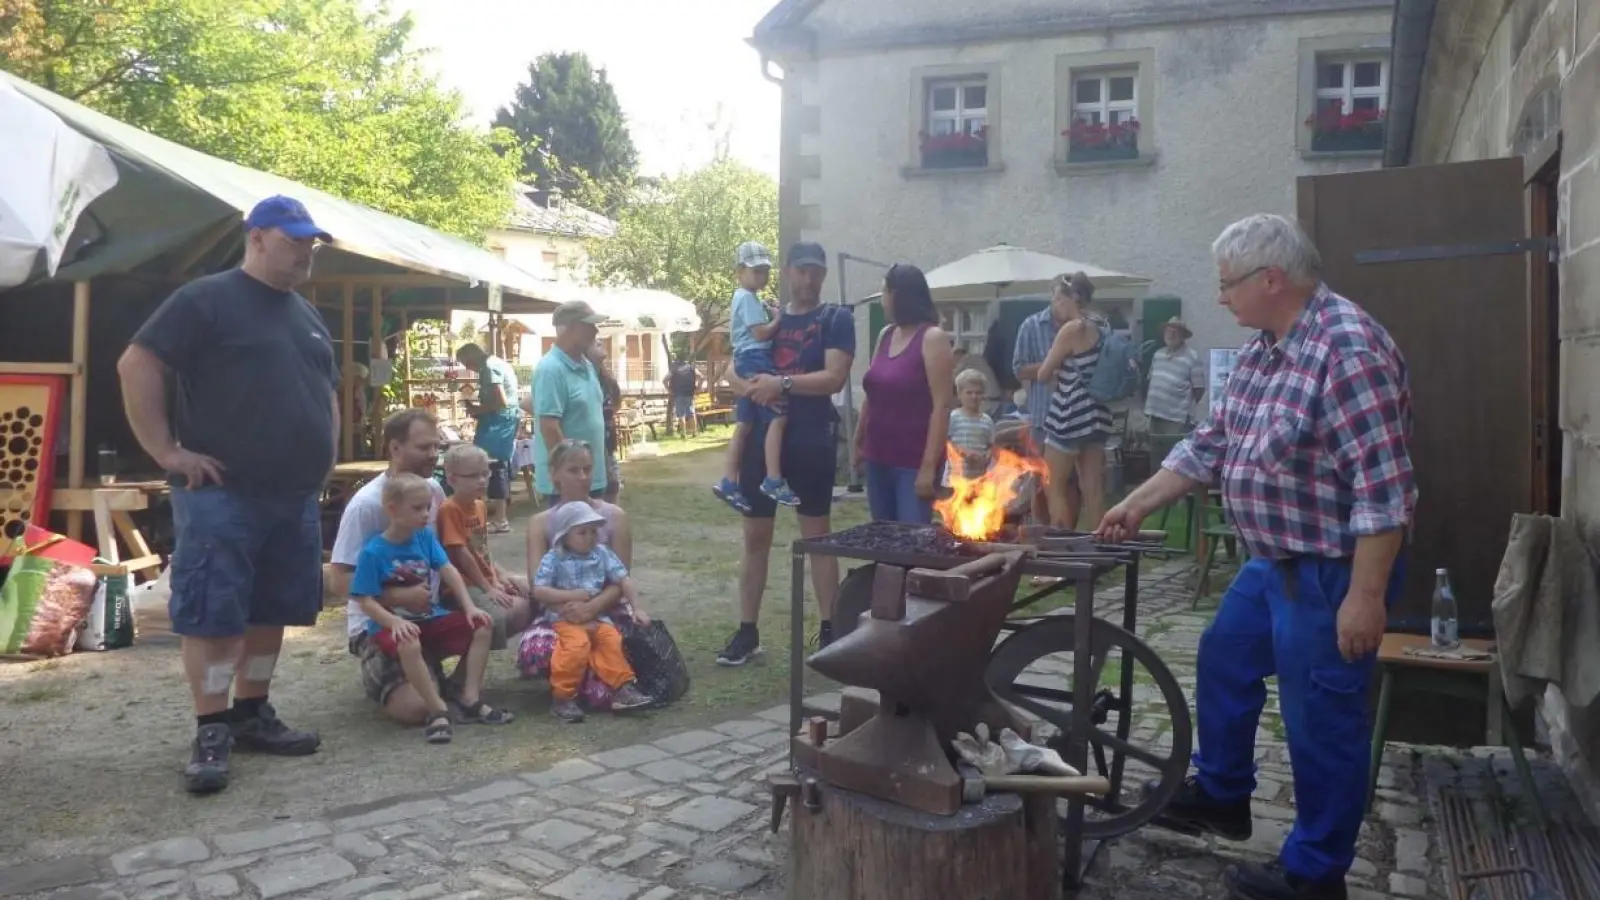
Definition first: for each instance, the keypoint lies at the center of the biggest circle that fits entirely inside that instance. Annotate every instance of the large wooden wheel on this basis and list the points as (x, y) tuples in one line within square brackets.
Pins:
[(1032, 670)]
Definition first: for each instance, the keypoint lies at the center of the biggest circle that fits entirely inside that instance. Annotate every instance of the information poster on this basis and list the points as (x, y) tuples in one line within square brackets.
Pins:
[(1221, 367)]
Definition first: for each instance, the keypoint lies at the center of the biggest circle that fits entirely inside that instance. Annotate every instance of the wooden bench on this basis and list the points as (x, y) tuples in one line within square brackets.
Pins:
[(707, 409)]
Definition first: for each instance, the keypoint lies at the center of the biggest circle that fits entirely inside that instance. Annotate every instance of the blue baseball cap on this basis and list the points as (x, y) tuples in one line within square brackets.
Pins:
[(287, 215)]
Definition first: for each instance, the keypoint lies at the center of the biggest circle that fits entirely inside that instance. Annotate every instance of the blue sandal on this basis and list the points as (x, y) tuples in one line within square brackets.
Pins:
[(729, 493)]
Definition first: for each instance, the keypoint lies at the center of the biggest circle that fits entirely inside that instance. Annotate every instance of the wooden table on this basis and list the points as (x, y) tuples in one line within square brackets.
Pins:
[(1470, 679)]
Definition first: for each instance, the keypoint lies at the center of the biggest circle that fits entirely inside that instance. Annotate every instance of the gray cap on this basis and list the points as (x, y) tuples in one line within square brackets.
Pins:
[(575, 311), (752, 255), (570, 515)]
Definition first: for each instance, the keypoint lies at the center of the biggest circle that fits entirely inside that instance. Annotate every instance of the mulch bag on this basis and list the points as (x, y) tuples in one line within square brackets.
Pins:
[(42, 603), (109, 624), (662, 674)]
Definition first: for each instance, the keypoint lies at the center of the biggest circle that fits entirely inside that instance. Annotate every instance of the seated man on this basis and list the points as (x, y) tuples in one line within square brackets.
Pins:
[(411, 438)]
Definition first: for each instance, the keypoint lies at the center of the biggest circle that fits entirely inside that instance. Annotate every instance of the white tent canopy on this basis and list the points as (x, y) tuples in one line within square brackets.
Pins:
[(48, 174), (1005, 270), (642, 309)]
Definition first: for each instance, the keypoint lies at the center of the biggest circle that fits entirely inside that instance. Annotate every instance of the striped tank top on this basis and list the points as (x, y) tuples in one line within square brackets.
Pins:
[(1073, 414)]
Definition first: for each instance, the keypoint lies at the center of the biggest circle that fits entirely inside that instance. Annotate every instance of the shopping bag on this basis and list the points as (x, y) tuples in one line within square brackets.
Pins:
[(42, 603), (109, 624), (658, 667)]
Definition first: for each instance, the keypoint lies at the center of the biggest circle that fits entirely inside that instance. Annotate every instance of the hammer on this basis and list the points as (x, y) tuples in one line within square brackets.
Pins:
[(974, 784)]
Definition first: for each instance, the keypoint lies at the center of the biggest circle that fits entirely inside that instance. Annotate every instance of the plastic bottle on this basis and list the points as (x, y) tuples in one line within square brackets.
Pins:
[(1446, 633)]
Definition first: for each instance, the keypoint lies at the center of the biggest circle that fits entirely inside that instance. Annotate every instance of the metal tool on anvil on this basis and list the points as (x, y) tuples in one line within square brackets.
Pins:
[(974, 784)]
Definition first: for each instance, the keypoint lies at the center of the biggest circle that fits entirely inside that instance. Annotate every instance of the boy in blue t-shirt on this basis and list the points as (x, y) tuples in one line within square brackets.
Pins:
[(752, 325), (407, 553)]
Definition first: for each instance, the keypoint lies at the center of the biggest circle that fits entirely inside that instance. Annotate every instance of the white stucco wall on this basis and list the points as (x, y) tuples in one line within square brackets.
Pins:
[(525, 250), (1226, 113)]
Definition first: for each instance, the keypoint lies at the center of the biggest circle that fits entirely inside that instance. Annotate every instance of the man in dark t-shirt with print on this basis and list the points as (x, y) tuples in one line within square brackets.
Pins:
[(247, 441), (812, 352)]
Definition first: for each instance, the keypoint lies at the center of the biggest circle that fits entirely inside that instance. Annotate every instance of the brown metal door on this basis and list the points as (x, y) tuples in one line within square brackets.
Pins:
[(1439, 255)]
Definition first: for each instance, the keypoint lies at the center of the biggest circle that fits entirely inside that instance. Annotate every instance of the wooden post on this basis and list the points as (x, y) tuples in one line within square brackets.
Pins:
[(375, 346), (404, 369), (347, 437), (78, 422)]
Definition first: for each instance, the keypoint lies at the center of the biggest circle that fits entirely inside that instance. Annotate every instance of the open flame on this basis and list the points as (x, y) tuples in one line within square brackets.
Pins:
[(976, 508)]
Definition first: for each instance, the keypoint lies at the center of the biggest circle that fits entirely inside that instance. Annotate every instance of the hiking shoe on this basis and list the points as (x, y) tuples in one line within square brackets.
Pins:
[(729, 493), (567, 710), (1193, 811), (778, 489), (266, 733), (629, 697), (207, 771), (743, 647), (1269, 881)]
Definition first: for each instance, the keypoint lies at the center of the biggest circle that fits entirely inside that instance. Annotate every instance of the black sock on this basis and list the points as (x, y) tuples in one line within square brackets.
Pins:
[(826, 627), (747, 628), (216, 718), (247, 708)]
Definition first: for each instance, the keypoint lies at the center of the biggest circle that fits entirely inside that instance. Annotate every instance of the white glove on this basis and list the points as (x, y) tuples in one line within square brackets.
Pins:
[(982, 753), (1022, 756)]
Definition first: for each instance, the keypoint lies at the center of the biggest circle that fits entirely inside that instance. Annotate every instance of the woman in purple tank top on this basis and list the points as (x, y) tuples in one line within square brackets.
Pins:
[(900, 434)]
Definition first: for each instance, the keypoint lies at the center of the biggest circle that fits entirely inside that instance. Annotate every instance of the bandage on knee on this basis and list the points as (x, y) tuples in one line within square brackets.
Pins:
[(259, 668), (216, 679)]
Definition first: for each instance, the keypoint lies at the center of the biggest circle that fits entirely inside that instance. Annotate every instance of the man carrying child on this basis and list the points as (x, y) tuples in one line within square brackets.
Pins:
[(751, 325), (406, 553)]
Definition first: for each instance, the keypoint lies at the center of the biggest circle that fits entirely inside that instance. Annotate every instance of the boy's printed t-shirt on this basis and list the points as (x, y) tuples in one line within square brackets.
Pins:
[(385, 563), (466, 525), (364, 517)]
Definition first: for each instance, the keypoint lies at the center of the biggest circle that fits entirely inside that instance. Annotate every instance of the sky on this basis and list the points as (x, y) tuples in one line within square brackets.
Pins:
[(682, 70)]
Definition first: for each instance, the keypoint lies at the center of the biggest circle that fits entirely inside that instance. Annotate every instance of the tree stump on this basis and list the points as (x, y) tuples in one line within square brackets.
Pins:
[(856, 847)]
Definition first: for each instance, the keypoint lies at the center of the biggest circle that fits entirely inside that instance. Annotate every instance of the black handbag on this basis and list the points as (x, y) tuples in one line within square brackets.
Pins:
[(658, 667)]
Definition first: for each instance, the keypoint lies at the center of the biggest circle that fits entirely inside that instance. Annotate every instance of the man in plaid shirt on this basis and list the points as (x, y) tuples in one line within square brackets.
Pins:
[(1309, 444)]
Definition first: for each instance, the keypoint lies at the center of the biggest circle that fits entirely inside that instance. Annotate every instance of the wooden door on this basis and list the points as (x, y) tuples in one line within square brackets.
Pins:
[(1439, 255)]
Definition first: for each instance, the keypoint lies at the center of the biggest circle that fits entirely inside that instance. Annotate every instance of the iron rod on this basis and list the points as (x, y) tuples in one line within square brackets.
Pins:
[(797, 637)]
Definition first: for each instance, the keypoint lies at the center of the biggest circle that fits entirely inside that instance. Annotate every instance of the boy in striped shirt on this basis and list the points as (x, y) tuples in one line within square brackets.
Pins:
[(971, 430)]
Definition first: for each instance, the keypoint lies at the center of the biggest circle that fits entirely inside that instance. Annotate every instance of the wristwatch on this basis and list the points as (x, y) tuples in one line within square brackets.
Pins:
[(787, 383)]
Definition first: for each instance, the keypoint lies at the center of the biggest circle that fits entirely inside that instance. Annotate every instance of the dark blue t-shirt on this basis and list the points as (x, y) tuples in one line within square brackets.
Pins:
[(801, 346), (255, 378)]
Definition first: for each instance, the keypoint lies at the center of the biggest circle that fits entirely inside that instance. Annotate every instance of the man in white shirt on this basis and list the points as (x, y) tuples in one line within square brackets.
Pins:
[(411, 438)]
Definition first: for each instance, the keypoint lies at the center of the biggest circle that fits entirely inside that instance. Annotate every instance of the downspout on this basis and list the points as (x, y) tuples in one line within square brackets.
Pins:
[(1409, 37), (766, 71)]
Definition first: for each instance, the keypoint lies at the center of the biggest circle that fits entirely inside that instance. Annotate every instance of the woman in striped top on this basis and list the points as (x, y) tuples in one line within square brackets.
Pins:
[(1076, 425)]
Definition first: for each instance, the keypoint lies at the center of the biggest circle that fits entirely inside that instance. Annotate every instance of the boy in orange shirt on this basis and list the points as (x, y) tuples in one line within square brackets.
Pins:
[(463, 530)]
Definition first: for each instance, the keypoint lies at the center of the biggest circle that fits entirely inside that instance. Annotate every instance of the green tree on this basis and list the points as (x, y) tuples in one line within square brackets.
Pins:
[(326, 92), (574, 132), (680, 236)]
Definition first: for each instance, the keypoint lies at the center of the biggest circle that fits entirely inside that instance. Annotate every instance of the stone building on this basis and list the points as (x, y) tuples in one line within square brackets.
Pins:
[(1487, 79), (923, 132)]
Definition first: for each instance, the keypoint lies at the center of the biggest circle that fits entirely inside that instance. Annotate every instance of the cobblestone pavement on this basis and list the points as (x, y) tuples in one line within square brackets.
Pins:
[(686, 817)]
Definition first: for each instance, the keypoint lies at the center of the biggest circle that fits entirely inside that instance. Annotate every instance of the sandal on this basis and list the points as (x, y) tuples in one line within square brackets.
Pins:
[(499, 528), (481, 713), (438, 729)]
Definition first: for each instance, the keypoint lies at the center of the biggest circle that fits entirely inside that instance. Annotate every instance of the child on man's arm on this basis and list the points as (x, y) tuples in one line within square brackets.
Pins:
[(407, 553)]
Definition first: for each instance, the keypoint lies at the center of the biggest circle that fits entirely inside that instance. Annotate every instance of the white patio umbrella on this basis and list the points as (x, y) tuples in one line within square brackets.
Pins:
[(1004, 269), (49, 173), (638, 309)]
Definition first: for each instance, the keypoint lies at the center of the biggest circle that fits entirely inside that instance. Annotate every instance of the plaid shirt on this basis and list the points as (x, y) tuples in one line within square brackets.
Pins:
[(1310, 438)]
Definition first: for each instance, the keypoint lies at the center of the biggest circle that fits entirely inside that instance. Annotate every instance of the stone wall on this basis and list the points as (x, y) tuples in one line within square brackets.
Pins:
[(1539, 70)]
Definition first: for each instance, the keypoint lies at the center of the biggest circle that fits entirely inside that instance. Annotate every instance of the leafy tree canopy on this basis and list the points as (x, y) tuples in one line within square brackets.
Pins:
[(574, 132), (680, 236), (325, 92)]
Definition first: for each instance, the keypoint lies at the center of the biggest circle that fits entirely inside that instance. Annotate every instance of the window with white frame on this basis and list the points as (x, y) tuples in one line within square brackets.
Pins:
[(967, 324), (957, 117), (1351, 103), (1105, 115)]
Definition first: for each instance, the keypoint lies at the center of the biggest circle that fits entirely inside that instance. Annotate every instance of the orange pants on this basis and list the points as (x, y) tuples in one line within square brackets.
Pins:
[(578, 650)]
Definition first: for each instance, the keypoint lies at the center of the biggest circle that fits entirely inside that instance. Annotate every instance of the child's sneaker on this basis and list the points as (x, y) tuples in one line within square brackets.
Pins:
[(778, 489), (629, 697), (567, 710), (729, 493)]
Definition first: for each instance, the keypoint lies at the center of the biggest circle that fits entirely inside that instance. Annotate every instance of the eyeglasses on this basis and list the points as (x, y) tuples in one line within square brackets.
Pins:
[(1229, 284)]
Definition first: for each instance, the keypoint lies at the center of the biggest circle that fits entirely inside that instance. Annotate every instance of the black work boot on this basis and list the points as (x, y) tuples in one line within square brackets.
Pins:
[(1269, 881), (266, 733), (207, 771), (1193, 811)]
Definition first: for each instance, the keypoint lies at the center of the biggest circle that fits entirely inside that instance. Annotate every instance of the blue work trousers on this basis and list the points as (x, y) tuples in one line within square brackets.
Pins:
[(1281, 617)]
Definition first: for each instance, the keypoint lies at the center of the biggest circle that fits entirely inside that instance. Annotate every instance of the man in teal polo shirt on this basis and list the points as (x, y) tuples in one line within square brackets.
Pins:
[(567, 400)]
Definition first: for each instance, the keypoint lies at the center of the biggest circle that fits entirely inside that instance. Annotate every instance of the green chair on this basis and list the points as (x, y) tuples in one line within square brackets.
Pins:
[(1212, 522)]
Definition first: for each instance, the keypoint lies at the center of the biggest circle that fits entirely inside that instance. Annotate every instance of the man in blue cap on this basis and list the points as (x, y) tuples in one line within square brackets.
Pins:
[(247, 445)]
